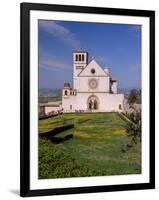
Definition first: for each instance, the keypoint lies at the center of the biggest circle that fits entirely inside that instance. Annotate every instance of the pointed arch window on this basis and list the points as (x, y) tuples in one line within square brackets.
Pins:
[(66, 92)]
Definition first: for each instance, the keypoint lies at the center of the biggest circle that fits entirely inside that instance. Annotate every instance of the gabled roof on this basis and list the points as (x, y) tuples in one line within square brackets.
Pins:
[(93, 65)]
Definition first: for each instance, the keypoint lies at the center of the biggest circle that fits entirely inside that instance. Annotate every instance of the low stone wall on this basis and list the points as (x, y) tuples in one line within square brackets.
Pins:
[(123, 117), (55, 131)]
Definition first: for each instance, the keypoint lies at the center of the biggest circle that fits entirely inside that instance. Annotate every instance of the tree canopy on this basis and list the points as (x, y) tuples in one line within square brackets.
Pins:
[(134, 96)]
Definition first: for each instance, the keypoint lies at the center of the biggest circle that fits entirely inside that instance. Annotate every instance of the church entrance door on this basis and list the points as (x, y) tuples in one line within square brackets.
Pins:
[(93, 103)]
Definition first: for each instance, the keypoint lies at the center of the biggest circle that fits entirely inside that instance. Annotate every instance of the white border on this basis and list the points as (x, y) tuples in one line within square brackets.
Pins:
[(86, 181)]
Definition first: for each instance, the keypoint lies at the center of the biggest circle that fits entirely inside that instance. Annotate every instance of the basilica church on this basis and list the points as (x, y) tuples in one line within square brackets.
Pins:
[(94, 89)]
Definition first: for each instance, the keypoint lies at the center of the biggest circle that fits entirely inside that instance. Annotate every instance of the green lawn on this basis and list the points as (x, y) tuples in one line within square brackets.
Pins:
[(95, 149)]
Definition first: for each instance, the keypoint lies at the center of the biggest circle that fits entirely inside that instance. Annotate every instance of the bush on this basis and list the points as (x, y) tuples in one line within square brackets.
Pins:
[(134, 96), (133, 128)]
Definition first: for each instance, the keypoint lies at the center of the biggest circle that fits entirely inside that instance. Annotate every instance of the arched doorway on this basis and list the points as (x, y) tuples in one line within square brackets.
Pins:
[(93, 103)]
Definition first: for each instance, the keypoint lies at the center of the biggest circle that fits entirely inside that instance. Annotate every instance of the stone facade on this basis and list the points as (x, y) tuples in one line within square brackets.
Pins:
[(50, 108), (94, 90)]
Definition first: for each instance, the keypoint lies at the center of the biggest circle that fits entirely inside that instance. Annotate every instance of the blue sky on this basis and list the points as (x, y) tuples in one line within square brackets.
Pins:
[(116, 46)]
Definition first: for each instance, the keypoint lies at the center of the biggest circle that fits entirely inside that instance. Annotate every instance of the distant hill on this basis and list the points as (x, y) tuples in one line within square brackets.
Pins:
[(50, 92), (46, 95)]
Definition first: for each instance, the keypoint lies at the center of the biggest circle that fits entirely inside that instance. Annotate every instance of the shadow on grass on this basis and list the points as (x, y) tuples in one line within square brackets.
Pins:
[(58, 140)]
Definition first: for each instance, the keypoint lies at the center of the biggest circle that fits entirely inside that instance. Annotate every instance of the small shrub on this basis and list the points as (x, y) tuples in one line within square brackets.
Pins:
[(133, 128)]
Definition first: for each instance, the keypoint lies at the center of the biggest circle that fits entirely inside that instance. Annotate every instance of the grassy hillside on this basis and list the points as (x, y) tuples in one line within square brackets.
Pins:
[(95, 149)]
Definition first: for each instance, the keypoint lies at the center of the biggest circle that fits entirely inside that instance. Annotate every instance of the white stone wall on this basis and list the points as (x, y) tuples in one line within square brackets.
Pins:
[(69, 101), (107, 102), (103, 84), (115, 100), (106, 71), (93, 65), (114, 87), (49, 109), (82, 81)]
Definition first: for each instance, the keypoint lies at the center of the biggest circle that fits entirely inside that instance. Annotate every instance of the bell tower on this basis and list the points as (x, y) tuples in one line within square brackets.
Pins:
[(80, 61)]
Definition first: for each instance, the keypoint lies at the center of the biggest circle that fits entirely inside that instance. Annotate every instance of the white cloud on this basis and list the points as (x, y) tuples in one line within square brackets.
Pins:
[(57, 30)]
